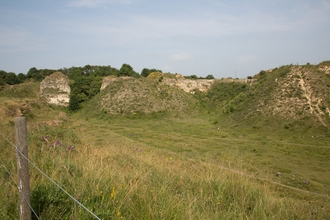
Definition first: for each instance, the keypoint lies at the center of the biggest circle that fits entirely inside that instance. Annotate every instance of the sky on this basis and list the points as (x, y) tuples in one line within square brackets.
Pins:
[(232, 38)]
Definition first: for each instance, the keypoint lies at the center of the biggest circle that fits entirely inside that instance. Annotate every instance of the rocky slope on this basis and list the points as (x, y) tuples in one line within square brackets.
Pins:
[(290, 94), (55, 88), (300, 94)]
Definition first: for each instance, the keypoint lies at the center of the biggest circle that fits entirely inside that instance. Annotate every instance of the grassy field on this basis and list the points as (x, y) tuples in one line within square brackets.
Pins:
[(297, 157), (169, 168), (163, 167)]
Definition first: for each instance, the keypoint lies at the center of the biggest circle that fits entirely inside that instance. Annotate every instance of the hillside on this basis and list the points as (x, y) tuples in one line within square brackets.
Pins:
[(289, 96), (17, 100), (24, 100), (238, 151), (142, 96)]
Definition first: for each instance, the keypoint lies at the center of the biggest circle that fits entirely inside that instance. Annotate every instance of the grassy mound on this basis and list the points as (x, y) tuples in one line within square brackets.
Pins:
[(26, 90), (290, 97), (142, 96)]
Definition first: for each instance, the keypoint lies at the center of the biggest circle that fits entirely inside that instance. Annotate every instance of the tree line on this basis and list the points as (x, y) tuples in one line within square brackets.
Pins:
[(85, 82), (73, 73)]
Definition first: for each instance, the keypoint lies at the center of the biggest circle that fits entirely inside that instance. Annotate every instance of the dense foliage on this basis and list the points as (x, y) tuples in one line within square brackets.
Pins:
[(11, 78), (82, 89)]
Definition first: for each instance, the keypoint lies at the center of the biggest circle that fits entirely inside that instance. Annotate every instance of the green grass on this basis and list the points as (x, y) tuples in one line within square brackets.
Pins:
[(146, 169), (296, 156), (169, 168), (24, 91)]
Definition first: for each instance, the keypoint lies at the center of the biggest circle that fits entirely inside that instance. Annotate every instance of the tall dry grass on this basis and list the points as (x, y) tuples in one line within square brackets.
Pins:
[(128, 180)]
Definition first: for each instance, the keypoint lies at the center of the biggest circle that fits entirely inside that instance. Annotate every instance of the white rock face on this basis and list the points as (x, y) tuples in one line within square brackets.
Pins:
[(325, 69), (108, 79), (56, 89), (189, 85)]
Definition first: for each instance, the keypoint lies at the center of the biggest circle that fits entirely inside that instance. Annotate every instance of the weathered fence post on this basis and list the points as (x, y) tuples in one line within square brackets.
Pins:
[(23, 169)]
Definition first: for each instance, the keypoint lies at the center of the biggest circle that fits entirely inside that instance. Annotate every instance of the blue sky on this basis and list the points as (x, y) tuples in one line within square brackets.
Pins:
[(196, 37)]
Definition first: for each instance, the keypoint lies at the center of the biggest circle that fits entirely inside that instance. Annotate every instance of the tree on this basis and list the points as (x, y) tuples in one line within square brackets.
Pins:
[(95, 86), (21, 77), (35, 74), (85, 87), (74, 72), (11, 78), (32, 72), (81, 87), (145, 72), (38, 77), (74, 102), (2, 82), (2, 77), (127, 70), (88, 69), (209, 77)]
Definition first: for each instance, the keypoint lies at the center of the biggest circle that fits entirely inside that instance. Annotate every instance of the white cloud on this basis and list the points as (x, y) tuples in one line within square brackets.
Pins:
[(95, 3), (181, 57)]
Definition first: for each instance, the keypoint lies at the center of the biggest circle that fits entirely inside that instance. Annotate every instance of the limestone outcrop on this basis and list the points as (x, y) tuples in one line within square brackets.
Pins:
[(108, 79), (56, 89), (325, 69), (188, 85)]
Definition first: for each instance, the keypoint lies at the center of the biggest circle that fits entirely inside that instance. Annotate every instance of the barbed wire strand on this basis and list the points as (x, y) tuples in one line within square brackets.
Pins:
[(50, 179), (12, 178)]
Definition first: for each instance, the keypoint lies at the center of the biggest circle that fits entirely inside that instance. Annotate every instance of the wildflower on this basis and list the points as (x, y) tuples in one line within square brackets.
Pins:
[(113, 194), (58, 142), (70, 147), (119, 215)]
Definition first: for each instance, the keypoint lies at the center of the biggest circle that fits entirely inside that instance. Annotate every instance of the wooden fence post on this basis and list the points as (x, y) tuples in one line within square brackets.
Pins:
[(23, 169)]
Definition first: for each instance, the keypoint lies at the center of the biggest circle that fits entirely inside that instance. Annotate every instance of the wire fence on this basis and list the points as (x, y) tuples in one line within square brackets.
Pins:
[(45, 175), (12, 178)]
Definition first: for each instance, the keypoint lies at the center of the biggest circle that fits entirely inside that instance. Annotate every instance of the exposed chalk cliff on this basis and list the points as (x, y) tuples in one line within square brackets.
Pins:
[(56, 89), (188, 85)]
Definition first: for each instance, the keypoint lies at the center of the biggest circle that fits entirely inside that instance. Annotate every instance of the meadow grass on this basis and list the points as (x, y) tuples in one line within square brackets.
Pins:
[(168, 168), (297, 156)]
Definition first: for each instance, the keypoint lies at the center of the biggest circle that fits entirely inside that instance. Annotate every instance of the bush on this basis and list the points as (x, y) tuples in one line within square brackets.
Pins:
[(209, 77), (73, 103)]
